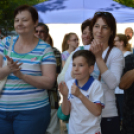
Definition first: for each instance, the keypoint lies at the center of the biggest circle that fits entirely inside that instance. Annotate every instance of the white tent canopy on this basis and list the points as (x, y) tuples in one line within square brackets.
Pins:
[(76, 11), (64, 16)]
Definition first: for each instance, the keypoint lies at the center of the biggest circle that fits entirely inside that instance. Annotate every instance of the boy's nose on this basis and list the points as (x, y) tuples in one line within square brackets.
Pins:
[(76, 68)]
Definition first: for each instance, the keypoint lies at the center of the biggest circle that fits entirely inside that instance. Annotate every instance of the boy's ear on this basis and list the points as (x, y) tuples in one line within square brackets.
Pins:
[(91, 69)]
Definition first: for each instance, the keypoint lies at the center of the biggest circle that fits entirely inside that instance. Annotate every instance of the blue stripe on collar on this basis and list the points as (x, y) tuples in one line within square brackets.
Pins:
[(87, 84)]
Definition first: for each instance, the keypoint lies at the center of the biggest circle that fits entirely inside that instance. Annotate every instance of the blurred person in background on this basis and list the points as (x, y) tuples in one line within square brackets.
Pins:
[(42, 32), (127, 84), (86, 34), (69, 44), (57, 54), (121, 42), (129, 33)]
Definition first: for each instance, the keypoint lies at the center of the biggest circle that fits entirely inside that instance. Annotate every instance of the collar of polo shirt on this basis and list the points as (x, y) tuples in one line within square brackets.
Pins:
[(87, 84)]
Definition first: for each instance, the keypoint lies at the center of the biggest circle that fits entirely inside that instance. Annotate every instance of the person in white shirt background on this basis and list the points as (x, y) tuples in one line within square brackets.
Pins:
[(121, 42), (103, 27)]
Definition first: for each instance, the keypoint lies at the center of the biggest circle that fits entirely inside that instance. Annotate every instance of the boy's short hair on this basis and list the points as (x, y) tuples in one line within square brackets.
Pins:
[(88, 55)]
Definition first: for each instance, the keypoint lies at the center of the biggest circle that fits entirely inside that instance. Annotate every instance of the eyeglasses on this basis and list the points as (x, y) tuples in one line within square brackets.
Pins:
[(103, 13), (41, 31), (74, 40)]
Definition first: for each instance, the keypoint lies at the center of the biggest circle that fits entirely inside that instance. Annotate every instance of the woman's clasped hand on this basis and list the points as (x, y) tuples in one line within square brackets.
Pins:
[(14, 66), (96, 48)]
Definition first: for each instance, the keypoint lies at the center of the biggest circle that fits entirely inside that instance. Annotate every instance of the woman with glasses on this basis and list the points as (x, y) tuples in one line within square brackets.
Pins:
[(69, 44), (108, 67), (30, 71)]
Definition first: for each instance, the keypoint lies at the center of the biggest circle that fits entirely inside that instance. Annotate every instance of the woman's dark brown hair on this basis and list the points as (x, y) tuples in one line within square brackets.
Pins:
[(85, 24), (110, 21)]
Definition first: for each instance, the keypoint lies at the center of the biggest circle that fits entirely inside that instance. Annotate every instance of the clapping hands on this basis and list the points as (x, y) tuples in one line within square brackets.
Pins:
[(63, 89), (75, 90), (96, 48), (13, 67)]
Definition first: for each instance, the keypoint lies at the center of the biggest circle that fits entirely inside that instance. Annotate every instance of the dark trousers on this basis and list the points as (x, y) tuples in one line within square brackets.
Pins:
[(120, 104), (110, 125)]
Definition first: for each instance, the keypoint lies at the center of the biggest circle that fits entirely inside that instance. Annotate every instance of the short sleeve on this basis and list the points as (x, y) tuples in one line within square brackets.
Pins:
[(2, 46), (96, 95), (63, 57), (48, 56)]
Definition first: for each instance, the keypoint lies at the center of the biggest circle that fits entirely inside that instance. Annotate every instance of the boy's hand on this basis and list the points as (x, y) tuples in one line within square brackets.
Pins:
[(75, 90), (63, 89)]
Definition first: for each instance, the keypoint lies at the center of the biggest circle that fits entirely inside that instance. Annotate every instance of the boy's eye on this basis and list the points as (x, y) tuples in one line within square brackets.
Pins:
[(73, 65)]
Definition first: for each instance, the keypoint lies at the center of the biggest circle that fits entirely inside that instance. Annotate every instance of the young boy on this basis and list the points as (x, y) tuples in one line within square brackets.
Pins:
[(82, 96)]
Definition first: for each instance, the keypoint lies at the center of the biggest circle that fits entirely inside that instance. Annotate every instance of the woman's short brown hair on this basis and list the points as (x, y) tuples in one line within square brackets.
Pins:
[(85, 24), (31, 9)]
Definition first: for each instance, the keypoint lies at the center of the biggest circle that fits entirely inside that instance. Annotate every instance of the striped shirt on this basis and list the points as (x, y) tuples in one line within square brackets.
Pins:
[(18, 95)]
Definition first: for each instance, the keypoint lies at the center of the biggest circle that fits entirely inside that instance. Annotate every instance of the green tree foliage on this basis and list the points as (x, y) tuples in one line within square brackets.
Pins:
[(6, 12), (129, 3)]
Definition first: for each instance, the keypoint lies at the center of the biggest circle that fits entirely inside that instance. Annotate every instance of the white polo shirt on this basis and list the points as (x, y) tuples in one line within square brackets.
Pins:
[(81, 120), (109, 79)]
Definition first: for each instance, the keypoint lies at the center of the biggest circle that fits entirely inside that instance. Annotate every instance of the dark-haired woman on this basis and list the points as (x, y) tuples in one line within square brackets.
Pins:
[(86, 34), (24, 102), (108, 67)]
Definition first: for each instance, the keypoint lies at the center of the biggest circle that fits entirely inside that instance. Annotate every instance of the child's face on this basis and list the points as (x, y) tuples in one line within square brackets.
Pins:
[(81, 71), (73, 41)]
